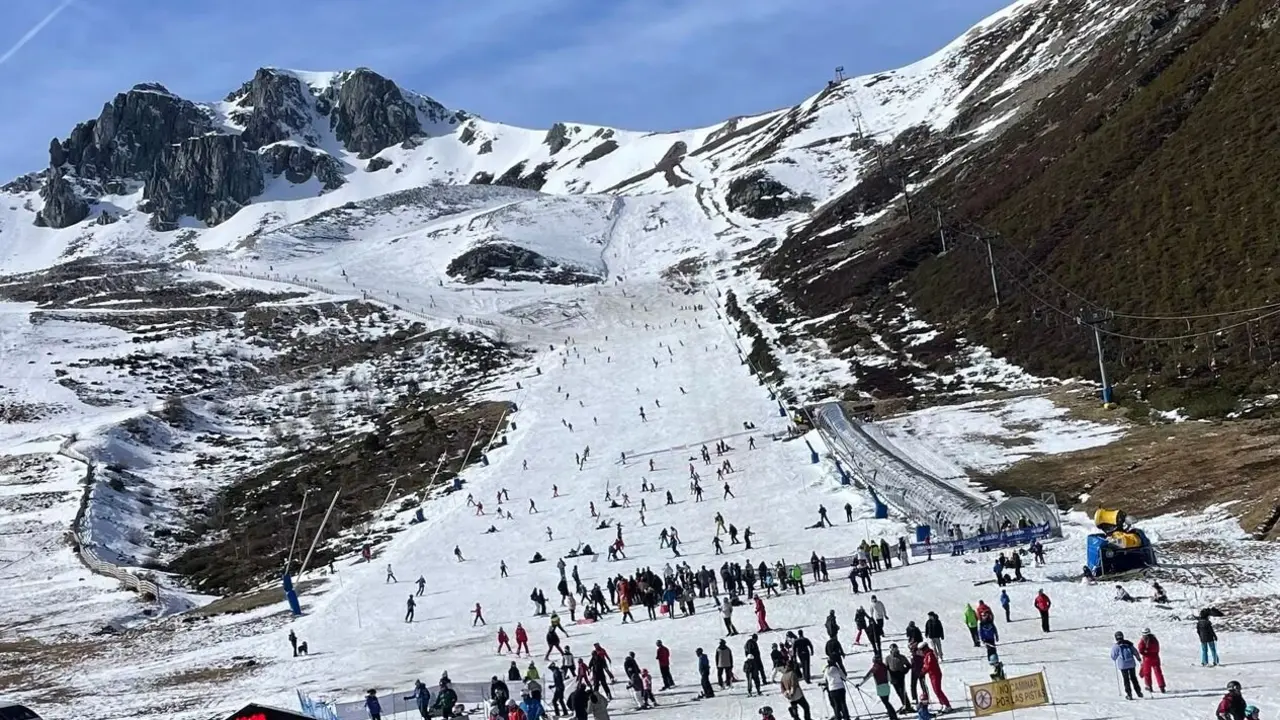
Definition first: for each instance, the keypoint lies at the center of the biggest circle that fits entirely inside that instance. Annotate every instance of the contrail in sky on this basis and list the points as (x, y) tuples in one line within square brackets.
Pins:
[(33, 32)]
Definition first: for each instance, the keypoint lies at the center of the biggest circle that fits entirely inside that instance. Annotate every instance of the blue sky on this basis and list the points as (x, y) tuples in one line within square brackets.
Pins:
[(639, 64)]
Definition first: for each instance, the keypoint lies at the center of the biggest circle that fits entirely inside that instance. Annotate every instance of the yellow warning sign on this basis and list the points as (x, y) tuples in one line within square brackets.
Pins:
[(1013, 693)]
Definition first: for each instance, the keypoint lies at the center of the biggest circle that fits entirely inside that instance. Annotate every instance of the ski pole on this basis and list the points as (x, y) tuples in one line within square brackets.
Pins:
[(863, 696)]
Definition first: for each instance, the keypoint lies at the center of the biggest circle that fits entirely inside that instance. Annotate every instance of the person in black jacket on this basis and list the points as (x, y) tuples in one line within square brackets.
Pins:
[(599, 679), (934, 633), (580, 701), (558, 705), (835, 653), (914, 636), (833, 628), (1208, 638), (804, 652), (498, 692)]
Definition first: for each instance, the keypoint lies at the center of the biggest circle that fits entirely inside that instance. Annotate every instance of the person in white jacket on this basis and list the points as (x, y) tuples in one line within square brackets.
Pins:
[(878, 613), (834, 678), (726, 609)]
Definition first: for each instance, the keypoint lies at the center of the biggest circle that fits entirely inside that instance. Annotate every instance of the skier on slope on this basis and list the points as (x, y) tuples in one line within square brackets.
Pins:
[(503, 641), (522, 640), (1149, 651), (1125, 656), (761, 622)]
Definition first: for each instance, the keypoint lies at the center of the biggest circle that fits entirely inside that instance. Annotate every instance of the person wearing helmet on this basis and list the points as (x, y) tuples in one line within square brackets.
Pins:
[(1251, 712), (1232, 706), (1149, 651), (1125, 656), (766, 713)]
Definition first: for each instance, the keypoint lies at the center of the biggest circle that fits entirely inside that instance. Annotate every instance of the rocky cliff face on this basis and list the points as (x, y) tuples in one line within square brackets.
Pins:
[(209, 177), (299, 164), (130, 134), (273, 108), (369, 113), (63, 205)]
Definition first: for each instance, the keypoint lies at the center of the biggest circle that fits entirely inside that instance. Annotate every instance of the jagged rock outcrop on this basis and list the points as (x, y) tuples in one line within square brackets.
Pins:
[(209, 177), (370, 114), (299, 164), (515, 177), (63, 206), (275, 106), (106, 218), (557, 138), (505, 261), (130, 134), (376, 164), (761, 197)]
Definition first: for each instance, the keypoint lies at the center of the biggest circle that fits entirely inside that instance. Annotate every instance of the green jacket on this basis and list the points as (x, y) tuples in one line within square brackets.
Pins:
[(970, 616), (796, 573)]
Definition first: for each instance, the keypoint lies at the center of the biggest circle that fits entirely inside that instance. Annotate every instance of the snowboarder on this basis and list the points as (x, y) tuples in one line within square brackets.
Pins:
[(1125, 656), (1149, 651), (457, 553), (478, 616), (410, 605)]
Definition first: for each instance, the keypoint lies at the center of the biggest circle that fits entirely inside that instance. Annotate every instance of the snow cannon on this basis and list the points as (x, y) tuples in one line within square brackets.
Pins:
[(1119, 547)]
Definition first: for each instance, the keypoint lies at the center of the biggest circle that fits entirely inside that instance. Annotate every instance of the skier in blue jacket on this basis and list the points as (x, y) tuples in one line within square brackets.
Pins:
[(1004, 603), (989, 636), (422, 698), (1125, 656)]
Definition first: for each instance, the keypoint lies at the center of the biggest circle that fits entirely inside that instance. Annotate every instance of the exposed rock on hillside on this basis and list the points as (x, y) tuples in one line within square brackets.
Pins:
[(299, 164), (63, 206), (209, 177), (275, 108), (371, 114), (504, 261), (130, 134), (759, 196)]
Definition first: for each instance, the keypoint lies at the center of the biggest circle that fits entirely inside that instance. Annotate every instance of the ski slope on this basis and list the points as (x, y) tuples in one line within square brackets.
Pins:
[(604, 364)]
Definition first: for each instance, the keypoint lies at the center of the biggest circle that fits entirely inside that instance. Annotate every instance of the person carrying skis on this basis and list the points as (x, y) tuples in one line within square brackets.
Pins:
[(971, 622), (503, 641), (1043, 604), (760, 615), (1125, 656), (1149, 651)]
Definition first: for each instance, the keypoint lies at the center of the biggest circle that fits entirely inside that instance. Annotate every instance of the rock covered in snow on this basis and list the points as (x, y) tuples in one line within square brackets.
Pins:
[(759, 196), (275, 106), (299, 164)]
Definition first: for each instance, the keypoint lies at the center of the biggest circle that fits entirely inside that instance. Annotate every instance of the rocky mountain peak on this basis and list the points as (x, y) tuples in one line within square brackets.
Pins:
[(370, 113), (273, 106)]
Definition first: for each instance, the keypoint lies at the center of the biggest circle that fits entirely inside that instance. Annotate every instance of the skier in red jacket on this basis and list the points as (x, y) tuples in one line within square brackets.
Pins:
[(1149, 651), (760, 619), (933, 670), (1042, 606), (503, 641), (522, 640)]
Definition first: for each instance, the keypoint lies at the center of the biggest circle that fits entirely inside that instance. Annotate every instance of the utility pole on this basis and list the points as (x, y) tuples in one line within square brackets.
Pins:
[(942, 231), (991, 263), (839, 73), (1094, 320)]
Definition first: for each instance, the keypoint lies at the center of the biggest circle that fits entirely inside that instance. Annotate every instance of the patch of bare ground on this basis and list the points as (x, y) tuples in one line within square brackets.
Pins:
[(205, 676), (34, 666), (1163, 468), (245, 602)]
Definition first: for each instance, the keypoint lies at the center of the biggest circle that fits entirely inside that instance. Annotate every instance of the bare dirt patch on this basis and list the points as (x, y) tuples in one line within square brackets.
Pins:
[(1159, 469)]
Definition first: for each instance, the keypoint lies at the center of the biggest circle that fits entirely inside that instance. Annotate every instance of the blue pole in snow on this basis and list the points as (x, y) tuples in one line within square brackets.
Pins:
[(813, 454)]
